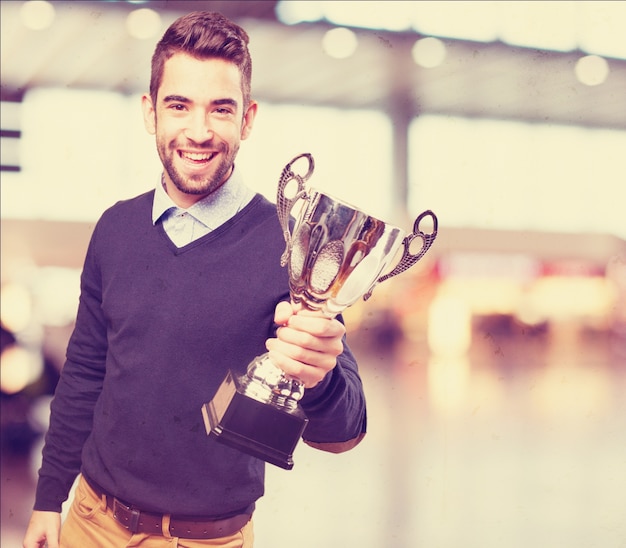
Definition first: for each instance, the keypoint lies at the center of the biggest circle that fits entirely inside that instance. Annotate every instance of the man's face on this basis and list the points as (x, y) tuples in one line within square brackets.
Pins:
[(199, 122)]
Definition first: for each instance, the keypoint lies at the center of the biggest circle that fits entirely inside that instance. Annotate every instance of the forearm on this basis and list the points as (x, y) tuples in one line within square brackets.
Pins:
[(336, 407), (71, 419), (72, 408)]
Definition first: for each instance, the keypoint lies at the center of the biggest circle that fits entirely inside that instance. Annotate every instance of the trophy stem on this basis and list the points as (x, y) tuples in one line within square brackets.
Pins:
[(266, 382)]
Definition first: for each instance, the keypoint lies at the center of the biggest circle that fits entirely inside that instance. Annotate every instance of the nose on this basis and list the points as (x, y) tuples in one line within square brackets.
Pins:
[(199, 128)]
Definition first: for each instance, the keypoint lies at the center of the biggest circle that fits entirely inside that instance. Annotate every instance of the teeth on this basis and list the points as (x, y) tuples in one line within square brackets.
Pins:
[(197, 156)]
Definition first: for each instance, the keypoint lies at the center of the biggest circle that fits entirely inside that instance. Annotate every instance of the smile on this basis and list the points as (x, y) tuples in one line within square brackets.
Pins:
[(199, 157)]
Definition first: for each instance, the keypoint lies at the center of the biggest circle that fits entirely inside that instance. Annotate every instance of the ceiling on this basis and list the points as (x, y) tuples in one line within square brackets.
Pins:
[(88, 47)]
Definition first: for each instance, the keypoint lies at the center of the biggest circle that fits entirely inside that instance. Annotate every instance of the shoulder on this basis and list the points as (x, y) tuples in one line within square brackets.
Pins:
[(261, 206), (125, 217), (128, 212), (138, 204), (260, 212)]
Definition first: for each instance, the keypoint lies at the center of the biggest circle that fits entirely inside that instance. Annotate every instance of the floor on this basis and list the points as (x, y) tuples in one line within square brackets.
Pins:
[(521, 443)]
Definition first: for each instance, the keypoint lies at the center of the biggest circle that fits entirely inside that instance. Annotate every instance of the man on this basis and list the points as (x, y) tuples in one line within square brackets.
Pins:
[(180, 285)]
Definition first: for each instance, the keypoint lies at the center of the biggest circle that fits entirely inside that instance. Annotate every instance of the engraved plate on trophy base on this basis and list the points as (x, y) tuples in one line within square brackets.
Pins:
[(264, 431)]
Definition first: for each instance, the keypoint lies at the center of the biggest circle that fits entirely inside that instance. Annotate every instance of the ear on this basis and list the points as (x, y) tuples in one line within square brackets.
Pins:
[(248, 120), (149, 114)]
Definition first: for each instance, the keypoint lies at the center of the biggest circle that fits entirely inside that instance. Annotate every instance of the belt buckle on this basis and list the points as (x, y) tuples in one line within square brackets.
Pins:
[(129, 518)]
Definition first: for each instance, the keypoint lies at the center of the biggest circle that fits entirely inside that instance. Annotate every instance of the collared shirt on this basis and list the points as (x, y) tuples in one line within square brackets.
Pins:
[(183, 226)]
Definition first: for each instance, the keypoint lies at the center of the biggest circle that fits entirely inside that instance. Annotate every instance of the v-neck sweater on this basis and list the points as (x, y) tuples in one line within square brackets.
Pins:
[(157, 330)]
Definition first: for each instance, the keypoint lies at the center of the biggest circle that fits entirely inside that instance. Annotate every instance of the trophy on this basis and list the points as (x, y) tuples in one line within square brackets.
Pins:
[(335, 255)]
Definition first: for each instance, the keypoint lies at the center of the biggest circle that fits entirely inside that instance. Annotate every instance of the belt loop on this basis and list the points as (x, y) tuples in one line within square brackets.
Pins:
[(165, 526), (97, 494)]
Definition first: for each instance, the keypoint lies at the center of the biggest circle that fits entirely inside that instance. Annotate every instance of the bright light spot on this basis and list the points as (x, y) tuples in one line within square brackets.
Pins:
[(114, 150), (295, 11), (15, 307), (489, 294), (528, 314), (477, 265), (19, 368), (562, 297), (339, 154), (39, 416), (339, 43), (448, 382), (143, 23), (449, 326), (57, 291), (591, 70), (37, 14), (429, 52), (496, 170)]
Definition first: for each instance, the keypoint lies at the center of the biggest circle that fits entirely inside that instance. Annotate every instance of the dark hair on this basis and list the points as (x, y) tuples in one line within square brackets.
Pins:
[(204, 35)]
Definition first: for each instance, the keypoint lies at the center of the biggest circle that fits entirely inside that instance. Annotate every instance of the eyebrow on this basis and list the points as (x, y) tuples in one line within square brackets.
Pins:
[(186, 100), (226, 101), (176, 99)]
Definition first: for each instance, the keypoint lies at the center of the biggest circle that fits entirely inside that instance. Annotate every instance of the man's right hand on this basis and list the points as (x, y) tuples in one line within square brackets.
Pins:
[(43, 527)]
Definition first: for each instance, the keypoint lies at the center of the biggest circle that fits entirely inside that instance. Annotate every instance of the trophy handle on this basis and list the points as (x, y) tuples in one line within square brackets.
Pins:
[(284, 204), (408, 259)]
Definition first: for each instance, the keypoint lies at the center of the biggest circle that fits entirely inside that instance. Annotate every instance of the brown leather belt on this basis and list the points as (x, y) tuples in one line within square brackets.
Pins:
[(137, 521)]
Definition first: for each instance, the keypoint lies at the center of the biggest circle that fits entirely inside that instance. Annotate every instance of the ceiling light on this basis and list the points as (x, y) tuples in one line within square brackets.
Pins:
[(339, 43), (429, 52), (591, 70), (296, 11), (143, 23), (37, 14)]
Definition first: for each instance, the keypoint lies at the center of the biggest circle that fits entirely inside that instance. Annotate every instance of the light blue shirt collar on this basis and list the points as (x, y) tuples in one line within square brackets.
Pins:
[(213, 210)]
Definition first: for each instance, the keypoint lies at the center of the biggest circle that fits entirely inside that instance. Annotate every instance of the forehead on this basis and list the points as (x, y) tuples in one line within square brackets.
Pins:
[(200, 79)]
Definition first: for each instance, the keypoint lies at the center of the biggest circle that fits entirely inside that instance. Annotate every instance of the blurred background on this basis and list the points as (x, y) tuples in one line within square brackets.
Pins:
[(495, 370)]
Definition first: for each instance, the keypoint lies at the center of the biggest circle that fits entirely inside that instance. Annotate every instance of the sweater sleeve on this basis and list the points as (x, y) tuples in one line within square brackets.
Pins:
[(72, 408), (336, 408)]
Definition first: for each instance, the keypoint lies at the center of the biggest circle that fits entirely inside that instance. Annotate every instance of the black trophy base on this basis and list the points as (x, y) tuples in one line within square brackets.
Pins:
[(262, 430)]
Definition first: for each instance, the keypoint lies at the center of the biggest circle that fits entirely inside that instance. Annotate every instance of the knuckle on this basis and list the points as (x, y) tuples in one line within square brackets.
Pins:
[(300, 354)]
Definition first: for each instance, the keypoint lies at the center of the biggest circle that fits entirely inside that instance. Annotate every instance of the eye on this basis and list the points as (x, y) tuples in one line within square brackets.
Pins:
[(177, 107)]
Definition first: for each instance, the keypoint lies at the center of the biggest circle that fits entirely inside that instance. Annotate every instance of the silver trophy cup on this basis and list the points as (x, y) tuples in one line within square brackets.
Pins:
[(335, 255)]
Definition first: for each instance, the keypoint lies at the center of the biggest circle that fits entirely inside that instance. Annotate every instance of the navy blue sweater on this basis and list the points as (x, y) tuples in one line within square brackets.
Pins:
[(157, 330)]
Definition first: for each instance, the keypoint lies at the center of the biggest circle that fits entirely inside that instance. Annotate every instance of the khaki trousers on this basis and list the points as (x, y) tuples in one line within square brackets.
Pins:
[(90, 524)]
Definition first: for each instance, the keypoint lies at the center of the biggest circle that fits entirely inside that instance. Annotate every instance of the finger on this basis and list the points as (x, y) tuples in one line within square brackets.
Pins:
[(309, 375), (283, 312), (296, 356), (307, 340), (318, 326)]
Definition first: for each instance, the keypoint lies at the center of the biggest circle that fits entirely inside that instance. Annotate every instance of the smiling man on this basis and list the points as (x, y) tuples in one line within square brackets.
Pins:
[(179, 286)]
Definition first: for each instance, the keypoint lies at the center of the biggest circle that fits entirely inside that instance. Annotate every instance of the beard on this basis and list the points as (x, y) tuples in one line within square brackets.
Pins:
[(197, 184)]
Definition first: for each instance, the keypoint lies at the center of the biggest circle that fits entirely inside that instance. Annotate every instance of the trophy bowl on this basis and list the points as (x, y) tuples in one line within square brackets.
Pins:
[(335, 254)]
